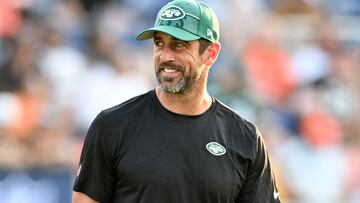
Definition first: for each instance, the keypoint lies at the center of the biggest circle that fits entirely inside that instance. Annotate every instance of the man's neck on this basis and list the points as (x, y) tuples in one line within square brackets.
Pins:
[(192, 103)]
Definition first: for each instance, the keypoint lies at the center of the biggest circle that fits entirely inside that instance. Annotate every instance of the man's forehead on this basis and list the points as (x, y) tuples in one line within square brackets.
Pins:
[(163, 35)]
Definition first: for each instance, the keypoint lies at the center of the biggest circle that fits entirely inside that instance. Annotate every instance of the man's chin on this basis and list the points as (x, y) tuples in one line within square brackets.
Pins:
[(173, 86), (171, 89)]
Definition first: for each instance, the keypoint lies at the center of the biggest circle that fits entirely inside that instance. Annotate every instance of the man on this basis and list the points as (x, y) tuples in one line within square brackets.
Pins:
[(176, 143)]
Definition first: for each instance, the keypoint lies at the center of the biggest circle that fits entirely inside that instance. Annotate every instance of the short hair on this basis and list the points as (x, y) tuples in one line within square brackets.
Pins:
[(204, 44)]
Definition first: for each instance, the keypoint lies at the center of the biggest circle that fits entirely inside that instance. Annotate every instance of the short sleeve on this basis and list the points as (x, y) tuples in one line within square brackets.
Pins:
[(259, 185), (96, 174)]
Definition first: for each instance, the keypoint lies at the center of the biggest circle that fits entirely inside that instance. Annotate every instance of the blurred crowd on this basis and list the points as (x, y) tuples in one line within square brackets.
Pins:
[(290, 66)]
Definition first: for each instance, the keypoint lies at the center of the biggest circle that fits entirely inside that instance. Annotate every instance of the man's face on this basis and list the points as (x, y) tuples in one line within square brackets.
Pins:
[(178, 64)]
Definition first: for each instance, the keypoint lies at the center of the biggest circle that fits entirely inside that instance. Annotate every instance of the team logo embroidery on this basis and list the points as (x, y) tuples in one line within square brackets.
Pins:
[(79, 170), (276, 194), (216, 148), (209, 33), (172, 13)]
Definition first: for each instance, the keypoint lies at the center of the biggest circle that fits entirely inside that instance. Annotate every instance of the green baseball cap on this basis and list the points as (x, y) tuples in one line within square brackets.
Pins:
[(186, 20)]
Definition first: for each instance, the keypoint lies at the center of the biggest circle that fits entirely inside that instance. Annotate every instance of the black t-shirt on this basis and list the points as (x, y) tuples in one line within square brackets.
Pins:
[(139, 152)]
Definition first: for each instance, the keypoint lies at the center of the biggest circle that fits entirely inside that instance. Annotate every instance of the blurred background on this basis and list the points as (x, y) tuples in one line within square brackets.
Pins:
[(290, 66)]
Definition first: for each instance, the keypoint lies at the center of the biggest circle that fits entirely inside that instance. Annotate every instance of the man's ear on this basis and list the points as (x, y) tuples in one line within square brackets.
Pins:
[(213, 52)]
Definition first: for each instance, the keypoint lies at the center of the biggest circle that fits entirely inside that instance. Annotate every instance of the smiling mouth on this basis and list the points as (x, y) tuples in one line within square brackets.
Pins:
[(168, 73), (169, 70)]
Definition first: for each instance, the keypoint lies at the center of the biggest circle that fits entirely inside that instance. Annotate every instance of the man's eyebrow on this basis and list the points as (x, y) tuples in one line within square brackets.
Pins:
[(172, 38), (176, 39)]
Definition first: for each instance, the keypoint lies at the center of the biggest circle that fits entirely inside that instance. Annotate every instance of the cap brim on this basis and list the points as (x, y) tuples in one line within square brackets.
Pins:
[(170, 30)]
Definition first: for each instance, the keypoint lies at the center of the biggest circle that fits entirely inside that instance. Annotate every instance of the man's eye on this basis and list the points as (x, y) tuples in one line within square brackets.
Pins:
[(158, 43), (179, 45)]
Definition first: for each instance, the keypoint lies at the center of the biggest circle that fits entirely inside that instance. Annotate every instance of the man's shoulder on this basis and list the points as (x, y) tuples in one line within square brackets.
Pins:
[(231, 113), (130, 106), (238, 122)]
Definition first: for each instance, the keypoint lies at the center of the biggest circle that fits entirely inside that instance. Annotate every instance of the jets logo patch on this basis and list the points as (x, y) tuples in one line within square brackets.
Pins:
[(172, 13), (215, 148)]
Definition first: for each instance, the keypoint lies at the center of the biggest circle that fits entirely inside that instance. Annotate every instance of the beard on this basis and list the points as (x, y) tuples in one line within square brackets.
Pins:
[(173, 85)]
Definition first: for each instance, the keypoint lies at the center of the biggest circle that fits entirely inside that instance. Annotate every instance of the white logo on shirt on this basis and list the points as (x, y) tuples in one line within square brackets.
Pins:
[(79, 170), (215, 148), (276, 194)]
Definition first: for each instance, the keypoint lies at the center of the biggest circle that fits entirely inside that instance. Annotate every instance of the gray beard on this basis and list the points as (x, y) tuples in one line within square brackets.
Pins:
[(185, 84), (180, 87)]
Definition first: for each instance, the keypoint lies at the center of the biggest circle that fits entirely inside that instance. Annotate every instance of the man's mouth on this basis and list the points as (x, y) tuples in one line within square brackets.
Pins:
[(169, 70)]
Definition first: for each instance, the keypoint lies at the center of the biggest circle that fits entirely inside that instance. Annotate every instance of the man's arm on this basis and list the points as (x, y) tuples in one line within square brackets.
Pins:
[(259, 185), (95, 176), (79, 197)]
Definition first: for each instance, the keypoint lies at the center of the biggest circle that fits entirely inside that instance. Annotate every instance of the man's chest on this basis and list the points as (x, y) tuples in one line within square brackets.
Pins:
[(188, 160)]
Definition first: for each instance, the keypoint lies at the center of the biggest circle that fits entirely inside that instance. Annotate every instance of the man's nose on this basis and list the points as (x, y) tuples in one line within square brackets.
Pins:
[(167, 54)]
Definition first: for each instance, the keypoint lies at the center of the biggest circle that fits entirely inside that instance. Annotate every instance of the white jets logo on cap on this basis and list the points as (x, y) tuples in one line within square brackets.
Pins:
[(172, 13), (209, 33)]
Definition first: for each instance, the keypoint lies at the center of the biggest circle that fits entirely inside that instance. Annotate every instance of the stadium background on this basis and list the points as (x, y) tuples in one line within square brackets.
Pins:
[(290, 66)]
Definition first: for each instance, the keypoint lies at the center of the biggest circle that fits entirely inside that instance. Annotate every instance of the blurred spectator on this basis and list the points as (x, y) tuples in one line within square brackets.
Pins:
[(63, 65), (111, 79), (344, 7), (69, 20), (268, 64), (10, 18), (314, 162), (308, 71)]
